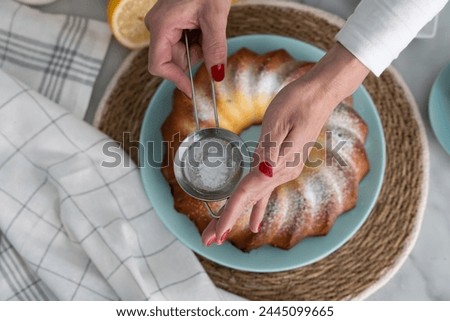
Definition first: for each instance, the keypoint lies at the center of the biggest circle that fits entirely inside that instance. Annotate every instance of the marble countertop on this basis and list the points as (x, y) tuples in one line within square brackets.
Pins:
[(426, 273)]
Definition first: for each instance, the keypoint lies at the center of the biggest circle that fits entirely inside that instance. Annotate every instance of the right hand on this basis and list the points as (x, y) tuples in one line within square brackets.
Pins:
[(167, 52), (292, 121)]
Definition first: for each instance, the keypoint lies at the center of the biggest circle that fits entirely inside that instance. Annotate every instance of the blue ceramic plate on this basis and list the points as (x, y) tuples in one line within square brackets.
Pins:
[(439, 108), (265, 259)]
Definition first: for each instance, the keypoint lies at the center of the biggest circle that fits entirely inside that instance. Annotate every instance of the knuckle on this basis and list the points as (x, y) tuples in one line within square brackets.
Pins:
[(151, 16), (245, 196), (272, 156), (153, 68), (216, 50), (242, 193), (153, 13)]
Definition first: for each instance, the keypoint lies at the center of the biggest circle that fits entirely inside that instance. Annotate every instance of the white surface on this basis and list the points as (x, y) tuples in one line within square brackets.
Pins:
[(426, 273), (36, 2)]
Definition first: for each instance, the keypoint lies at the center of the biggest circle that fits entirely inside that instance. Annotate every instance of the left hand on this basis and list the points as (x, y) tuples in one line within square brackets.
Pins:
[(294, 118)]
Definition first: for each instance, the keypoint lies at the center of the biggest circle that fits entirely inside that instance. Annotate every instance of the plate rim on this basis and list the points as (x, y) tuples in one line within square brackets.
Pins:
[(435, 108), (377, 188)]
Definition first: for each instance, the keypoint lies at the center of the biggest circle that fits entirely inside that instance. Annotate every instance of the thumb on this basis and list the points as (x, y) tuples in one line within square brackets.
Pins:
[(268, 151), (214, 44)]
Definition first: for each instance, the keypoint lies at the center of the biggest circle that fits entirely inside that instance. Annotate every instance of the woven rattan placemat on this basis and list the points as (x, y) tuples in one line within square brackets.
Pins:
[(379, 248)]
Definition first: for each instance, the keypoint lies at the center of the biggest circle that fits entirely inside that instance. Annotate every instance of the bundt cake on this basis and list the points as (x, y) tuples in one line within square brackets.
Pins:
[(306, 206)]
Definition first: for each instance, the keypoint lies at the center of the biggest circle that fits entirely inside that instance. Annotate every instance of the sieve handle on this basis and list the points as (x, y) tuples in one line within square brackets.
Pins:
[(191, 77), (194, 99), (213, 96), (212, 213)]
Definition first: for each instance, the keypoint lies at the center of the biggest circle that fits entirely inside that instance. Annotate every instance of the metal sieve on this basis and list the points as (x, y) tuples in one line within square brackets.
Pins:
[(210, 162)]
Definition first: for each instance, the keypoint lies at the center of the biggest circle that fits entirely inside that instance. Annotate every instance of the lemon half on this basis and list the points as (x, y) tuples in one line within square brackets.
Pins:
[(126, 19)]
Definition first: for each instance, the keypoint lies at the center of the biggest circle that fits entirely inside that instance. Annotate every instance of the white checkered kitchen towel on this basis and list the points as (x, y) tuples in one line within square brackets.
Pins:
[(57, 55), (71, 229)]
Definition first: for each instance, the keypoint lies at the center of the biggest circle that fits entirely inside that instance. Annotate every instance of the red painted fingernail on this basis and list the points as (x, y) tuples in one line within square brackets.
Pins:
[(259, 227), (224, 236), (266, 169), (211, 241), (218, 72)]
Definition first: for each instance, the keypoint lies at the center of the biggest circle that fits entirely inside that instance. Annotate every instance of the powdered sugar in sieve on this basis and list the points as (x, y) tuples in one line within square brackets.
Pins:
[(212, 164)]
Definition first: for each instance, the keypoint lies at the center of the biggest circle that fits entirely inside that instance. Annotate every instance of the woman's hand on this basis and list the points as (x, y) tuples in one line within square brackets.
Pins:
[(167, 52), (294, 119)]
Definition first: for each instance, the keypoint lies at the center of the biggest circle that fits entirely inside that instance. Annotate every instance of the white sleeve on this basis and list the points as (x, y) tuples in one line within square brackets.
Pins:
[(379, 30)]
